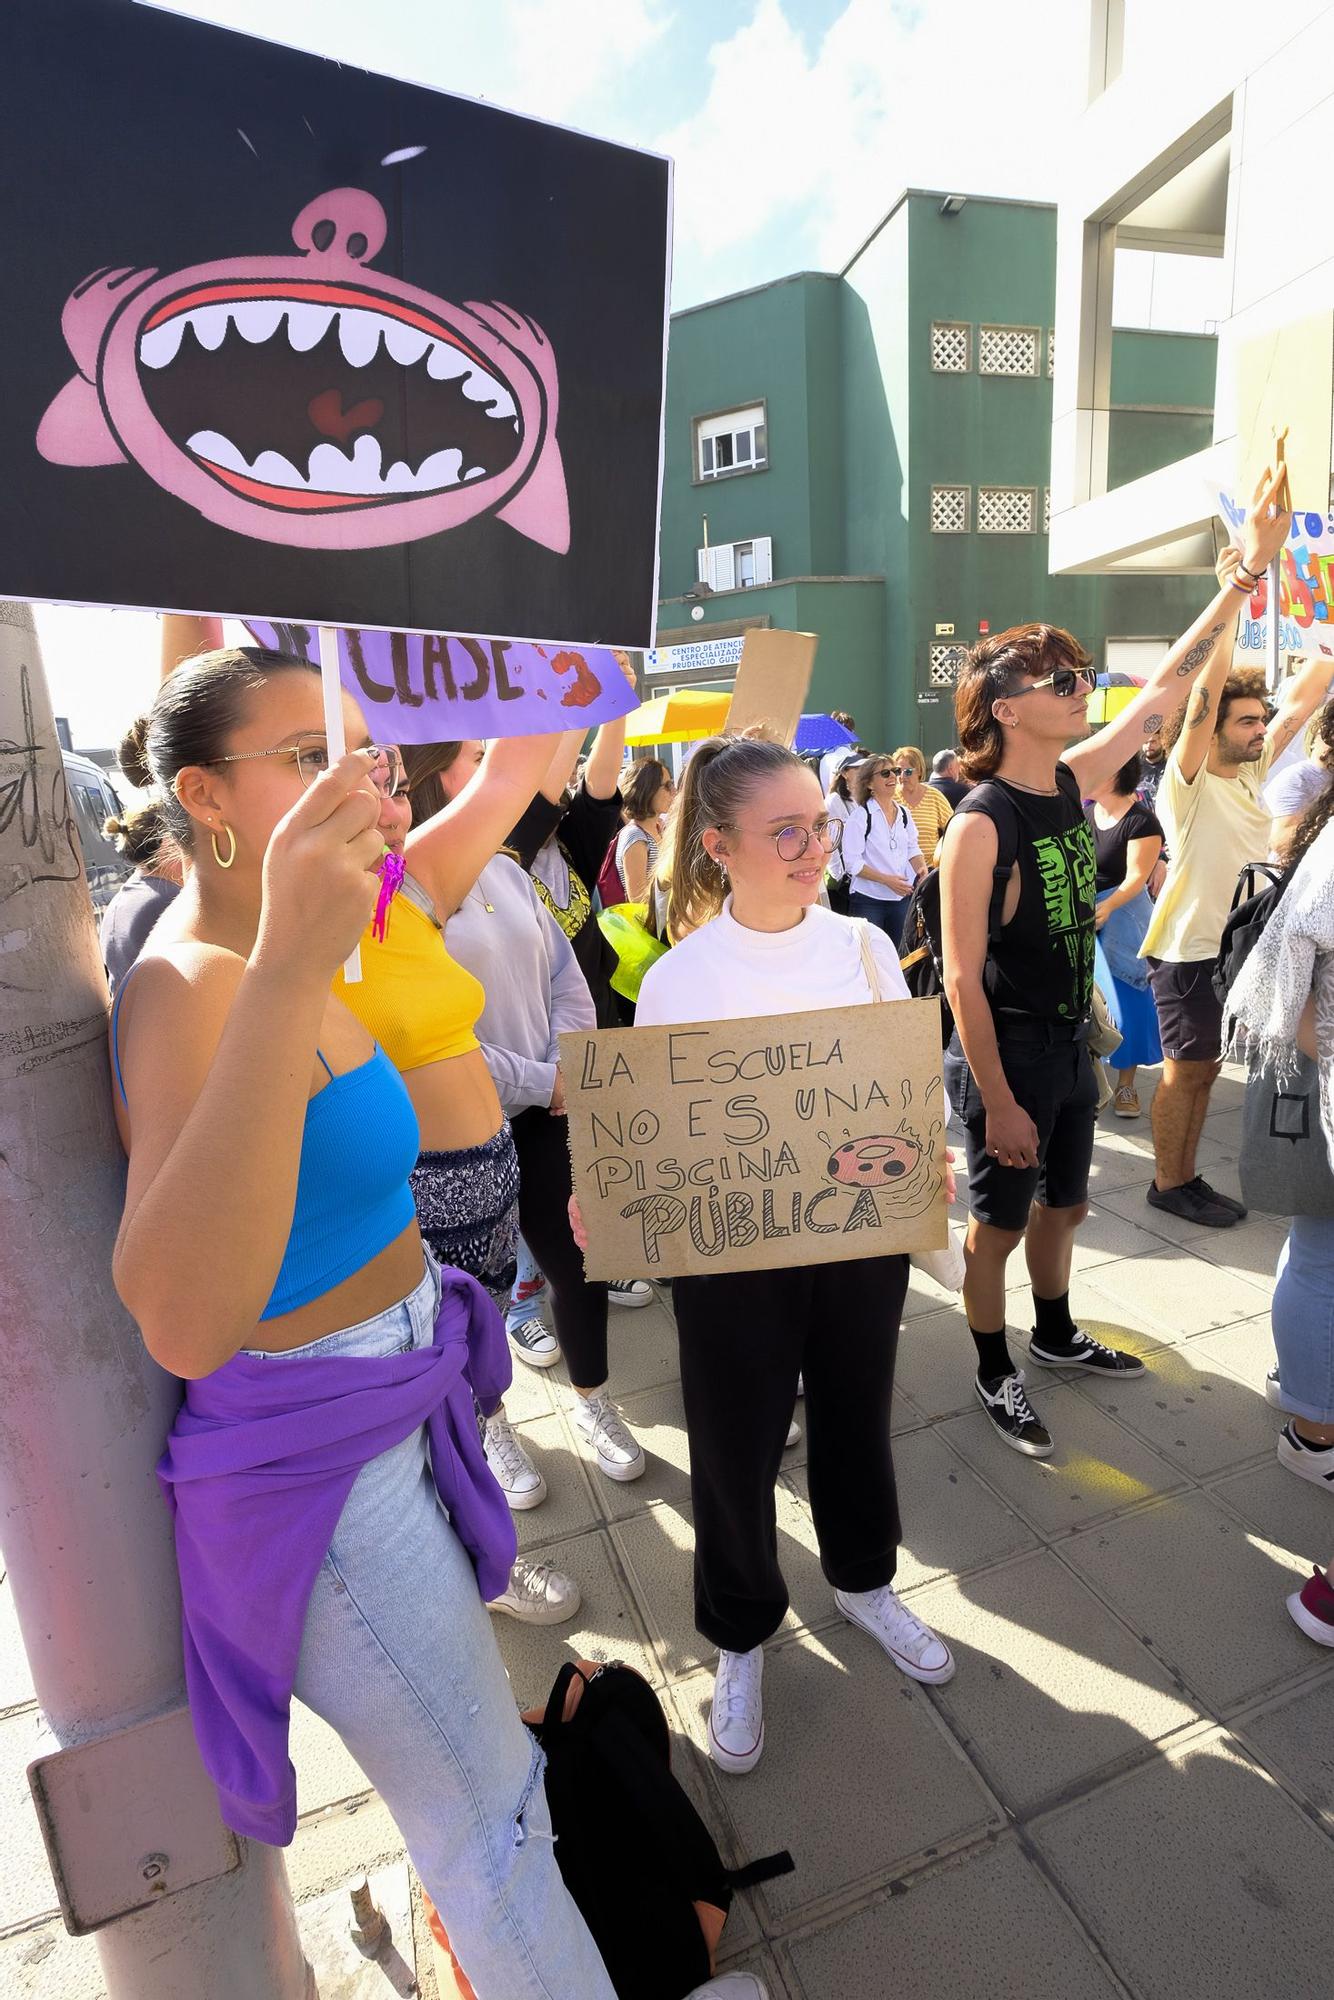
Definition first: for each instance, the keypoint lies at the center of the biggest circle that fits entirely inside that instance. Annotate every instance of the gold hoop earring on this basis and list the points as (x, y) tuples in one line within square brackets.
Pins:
[(231, 856)]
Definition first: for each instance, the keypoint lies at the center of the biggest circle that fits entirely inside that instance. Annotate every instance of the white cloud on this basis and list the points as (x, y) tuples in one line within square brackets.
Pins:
[(958, 94), (564, 57)]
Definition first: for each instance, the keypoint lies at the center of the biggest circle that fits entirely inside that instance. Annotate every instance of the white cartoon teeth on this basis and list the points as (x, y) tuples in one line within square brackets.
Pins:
[(360, 333), (330, 470)]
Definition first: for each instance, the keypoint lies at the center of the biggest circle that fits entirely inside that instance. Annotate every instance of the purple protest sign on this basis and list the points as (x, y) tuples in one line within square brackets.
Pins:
[(420, 689)]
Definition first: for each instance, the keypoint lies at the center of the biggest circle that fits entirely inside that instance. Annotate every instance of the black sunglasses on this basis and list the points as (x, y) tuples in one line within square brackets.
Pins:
[(1064, 682)]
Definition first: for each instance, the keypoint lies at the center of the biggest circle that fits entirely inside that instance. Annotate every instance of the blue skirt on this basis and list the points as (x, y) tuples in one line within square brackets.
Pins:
[(1133, 1012)]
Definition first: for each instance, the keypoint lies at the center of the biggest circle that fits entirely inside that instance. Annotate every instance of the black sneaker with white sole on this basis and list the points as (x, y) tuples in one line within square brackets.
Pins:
[(534, 1342), (1088, 1355), (1013, 1417), (630, 1292)]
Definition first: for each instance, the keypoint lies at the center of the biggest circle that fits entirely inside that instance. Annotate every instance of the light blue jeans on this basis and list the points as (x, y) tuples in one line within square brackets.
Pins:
[(1303, 1318), (398, 1656)]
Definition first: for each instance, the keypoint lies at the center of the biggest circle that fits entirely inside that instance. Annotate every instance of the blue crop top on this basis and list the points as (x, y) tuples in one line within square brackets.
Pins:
[(359, 1145)]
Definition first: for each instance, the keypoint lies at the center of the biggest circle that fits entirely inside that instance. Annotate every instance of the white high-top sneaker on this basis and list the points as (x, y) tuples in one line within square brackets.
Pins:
[(516, 1475), (600, 1424), (736, 1719)]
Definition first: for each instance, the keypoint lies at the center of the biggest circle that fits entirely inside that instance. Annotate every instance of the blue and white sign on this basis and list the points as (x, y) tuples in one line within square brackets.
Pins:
[(701, 656)]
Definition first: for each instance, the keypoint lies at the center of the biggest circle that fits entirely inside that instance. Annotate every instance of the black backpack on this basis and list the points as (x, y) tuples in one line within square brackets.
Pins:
[(920, 947), (1250, 912), (633, 1852)]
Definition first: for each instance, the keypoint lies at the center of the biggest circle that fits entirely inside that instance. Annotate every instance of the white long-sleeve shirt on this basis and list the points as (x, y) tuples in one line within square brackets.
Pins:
[(724, 972), (534, 987), (890, 848)]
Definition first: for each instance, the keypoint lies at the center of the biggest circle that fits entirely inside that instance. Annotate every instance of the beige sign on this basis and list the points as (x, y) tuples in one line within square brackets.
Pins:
[(750, 1145), (771, 683), (1285, 384)]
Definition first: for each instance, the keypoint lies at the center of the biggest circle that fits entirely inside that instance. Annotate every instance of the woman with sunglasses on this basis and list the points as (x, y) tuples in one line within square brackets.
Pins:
[(881, 851), (929, 809), (1017, 935), (752, 836), (271, 1256)]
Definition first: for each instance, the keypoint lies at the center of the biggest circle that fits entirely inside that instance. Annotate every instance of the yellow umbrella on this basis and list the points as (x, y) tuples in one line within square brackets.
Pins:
[(683, 717)]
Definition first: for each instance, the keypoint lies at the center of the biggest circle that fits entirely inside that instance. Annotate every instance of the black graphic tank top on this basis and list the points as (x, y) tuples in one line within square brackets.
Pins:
[(1041, 963)]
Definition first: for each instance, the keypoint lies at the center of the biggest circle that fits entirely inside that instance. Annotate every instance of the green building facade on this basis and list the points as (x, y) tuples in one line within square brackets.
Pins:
[(866, 456)]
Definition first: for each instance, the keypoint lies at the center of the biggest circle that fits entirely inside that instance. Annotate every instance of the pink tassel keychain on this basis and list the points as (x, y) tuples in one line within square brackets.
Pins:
[(392, 870)]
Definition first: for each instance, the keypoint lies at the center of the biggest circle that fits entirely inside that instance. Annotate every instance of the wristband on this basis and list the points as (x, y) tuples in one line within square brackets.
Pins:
[(1244, 588), (1256, 580)]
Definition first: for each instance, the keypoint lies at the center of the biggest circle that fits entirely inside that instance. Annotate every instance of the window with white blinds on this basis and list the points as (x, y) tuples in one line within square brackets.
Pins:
[(736, 441), (737, 565)]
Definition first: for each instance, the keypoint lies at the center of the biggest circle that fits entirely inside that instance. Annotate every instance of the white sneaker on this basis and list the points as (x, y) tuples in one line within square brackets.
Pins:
[(516, 1475), (1273, 1389), (793, 1435), (534, 1342), (731, 1986), (538, 1594), (629, 1292), (599, 1423), (736, 1719), (912, 1646), (1313, 1462)]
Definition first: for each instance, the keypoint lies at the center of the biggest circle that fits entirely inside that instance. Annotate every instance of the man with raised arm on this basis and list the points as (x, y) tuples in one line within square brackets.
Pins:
[(1017, 918), (1220, 751)]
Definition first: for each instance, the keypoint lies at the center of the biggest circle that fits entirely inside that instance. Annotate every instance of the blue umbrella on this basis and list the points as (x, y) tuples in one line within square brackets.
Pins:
[(818, 733)]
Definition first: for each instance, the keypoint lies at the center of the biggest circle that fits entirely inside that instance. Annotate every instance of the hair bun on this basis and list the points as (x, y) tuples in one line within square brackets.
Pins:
[(132, 756)]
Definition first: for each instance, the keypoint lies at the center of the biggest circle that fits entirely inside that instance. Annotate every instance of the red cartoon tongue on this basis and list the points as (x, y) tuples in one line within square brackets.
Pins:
[(331, 420)]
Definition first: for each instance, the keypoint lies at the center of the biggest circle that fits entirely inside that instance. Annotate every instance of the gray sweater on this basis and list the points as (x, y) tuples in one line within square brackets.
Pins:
[(534, 987)]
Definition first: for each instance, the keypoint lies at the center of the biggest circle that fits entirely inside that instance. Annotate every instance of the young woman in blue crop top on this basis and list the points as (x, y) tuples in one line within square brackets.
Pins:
[(268, 1220)]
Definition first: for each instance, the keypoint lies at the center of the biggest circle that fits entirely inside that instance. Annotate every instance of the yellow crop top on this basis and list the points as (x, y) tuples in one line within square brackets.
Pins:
[(418, 1003)]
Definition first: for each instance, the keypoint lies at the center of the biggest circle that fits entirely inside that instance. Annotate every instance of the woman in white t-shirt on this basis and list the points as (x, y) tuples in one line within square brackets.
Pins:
[(750, 818), (1296, 785), (882, 850)]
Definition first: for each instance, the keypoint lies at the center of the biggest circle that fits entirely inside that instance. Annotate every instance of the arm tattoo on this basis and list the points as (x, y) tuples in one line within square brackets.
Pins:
[(1199, 652), (1201, 708), (1151, 723)]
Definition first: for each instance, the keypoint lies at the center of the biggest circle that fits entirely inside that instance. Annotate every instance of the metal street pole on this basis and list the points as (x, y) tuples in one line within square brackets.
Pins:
[(139, 1854)]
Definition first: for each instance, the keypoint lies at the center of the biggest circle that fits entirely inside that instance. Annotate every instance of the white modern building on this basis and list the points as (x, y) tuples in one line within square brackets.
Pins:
[(1209, 132)]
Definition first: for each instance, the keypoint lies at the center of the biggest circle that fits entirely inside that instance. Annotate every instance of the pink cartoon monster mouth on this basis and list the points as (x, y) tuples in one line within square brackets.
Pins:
[(311, 402)]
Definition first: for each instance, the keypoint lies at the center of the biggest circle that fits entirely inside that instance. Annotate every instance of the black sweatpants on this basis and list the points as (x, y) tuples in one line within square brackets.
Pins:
[(745, 1337), (578, 1308)]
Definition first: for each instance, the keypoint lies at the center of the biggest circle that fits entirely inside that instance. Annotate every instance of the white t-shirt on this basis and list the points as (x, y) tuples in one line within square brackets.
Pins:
[(888, 847), (724, 972), (1295, 787), (833, 761)]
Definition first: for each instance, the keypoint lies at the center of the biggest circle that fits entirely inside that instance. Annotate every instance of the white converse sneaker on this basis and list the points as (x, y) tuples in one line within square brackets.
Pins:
[(599, 1423), (534, 1342), (736, 1719), (731, 1986), (516, 1475), (912, 1646), (538, 1594), (793, 1435)]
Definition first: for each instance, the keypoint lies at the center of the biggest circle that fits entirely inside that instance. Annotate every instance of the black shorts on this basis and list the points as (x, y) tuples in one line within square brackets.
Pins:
[(1190, 1013), (1051, 1075)]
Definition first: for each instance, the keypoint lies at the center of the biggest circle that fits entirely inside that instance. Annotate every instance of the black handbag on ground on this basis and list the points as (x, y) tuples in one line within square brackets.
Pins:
[(633, 1852)]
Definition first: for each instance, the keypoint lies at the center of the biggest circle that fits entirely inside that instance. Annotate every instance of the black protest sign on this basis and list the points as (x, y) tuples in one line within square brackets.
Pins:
[(755, 1144), (290, 340)]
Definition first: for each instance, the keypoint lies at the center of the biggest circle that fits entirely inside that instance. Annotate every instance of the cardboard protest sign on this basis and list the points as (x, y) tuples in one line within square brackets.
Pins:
[(414, 689), (756, 1144), (771, 682), (1305, 589), (288, 339), (1285, 384)]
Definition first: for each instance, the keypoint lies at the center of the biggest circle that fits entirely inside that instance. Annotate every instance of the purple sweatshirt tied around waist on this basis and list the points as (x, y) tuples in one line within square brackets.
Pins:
[(257, 1469)]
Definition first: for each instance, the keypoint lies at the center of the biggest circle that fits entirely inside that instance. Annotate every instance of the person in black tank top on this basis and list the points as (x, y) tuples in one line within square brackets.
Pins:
[(1018, 892)]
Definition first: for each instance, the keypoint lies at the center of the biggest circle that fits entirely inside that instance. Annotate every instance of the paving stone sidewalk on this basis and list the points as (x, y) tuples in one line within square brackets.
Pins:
[(1128, 1788)]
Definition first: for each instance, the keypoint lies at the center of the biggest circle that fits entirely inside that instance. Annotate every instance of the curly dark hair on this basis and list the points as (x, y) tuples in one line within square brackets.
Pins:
[(1242, 684)]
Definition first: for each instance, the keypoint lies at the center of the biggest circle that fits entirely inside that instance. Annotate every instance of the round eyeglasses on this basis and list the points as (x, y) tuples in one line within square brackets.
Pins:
[(310, 754), (793, 841)]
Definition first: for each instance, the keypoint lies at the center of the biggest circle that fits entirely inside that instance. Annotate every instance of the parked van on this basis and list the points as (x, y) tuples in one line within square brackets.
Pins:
[(93, 801)]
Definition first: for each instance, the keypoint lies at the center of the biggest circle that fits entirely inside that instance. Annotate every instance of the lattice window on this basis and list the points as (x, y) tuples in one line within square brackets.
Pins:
[(945, 664), (1051, 350), (949, 510), (1008, 350), (951, 347), (1005, 510), (1046, 510)]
